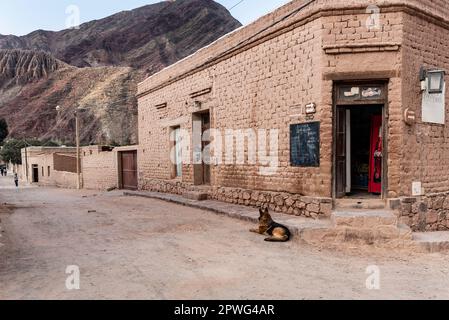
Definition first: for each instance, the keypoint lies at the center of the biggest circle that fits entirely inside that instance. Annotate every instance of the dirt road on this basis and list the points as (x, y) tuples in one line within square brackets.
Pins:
[(132, 248)]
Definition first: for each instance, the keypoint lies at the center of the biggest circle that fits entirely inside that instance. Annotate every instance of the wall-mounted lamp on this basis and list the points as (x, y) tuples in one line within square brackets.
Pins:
[(423, 78), (435, 81), (432, 81)]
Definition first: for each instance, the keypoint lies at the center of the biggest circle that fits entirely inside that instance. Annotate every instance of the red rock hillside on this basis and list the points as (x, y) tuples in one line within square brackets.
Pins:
[(97, 67)]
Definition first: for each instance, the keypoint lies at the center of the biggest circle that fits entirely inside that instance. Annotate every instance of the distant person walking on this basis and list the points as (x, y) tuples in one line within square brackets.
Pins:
[(16, 181)]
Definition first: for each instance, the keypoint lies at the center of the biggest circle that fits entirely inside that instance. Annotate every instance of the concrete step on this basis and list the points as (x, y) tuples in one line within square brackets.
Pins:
[(364, 219), (360, 204), (432, 241)]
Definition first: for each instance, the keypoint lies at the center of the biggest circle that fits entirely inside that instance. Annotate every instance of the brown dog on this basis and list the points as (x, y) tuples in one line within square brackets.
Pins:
[(276, 231)]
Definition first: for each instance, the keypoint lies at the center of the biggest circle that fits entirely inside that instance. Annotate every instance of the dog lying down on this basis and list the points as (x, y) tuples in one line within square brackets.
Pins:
[(275, 231)]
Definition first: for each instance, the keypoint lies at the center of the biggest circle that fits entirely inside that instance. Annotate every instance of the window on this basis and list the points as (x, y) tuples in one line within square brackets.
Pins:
[(42, 171), (48, 171)]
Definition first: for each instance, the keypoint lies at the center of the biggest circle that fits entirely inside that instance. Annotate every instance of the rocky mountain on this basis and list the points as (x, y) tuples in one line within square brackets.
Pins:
[(34, 83), (97, 67), (148, 37)]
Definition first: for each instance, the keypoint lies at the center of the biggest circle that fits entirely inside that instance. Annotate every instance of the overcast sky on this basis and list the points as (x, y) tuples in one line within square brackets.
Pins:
[(20, 17)]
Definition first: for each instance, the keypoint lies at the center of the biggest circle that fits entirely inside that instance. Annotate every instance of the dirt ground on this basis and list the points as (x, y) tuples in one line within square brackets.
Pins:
[(133, 248)]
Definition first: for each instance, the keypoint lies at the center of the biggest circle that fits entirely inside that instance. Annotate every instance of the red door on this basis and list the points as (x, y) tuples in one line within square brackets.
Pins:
[(376, 156)]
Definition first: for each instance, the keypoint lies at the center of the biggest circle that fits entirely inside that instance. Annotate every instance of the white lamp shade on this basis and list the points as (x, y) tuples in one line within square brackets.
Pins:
[(435, 81)]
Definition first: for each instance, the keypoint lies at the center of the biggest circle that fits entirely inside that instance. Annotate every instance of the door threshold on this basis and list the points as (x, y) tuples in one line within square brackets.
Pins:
[(360, 203)]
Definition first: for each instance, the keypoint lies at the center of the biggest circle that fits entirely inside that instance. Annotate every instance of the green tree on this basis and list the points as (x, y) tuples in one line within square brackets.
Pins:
[(3, 130), (12, 149)]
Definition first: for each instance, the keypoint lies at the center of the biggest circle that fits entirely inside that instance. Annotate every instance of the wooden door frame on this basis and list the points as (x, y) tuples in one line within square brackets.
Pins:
[(385, 112), (198, 169), (120, 168)]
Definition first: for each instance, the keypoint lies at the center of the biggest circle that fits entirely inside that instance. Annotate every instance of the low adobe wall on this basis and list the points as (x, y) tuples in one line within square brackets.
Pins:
[(292, 204), (99, 167)]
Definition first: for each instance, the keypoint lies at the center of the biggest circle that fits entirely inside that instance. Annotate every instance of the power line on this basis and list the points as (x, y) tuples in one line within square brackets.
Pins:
[(235, 5)]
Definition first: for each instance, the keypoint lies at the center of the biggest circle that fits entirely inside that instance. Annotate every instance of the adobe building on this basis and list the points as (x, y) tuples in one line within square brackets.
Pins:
[(49, 166), (108, 168), (332, 101)]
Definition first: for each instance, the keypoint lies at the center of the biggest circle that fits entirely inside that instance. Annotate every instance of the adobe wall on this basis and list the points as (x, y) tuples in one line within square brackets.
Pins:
[(254, 90), (259, 88), (426, 145), (99, 168)]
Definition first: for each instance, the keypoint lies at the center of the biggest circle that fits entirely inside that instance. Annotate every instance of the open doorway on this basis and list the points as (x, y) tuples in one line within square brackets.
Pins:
[(359, 151), (35, 177)]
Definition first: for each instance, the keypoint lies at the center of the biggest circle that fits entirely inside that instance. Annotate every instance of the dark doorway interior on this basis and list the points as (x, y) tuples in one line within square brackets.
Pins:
[(359, 151), (35, 173), (363, 124), (205, 127)]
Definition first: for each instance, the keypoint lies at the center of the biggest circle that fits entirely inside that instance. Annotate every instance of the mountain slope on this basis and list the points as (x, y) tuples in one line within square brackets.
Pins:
[(148, 38), (97, 67), (106, 94), (19, 67)]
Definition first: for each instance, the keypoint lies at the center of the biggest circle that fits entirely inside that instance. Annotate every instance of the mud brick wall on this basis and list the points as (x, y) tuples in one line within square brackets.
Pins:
[(354, 51), (426, 146), (99, 168), (255, 89)]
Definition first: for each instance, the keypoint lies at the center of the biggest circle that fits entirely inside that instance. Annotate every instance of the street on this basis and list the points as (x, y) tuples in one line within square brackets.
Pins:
[(136, 248)]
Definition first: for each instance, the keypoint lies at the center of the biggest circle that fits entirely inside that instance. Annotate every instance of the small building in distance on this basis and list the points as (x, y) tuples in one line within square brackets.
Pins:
[(49, 166)]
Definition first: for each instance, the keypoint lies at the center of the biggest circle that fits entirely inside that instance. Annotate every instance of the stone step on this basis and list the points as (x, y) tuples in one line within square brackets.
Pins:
[(432, 241), (360, 204), (364, 218), (195, 195)]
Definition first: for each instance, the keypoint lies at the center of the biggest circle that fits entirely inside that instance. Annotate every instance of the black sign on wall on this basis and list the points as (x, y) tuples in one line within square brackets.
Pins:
[(305, 144)]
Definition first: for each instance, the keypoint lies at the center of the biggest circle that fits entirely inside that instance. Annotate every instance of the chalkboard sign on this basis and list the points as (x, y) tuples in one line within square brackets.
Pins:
[(305, 144)]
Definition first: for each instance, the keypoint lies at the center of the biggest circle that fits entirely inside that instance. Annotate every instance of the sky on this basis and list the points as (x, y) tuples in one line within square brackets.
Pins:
[(20, 17)]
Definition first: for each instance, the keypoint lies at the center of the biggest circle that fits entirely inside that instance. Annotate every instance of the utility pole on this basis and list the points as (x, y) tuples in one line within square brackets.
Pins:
[(78, 153), (26, 164), (78, 150)]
